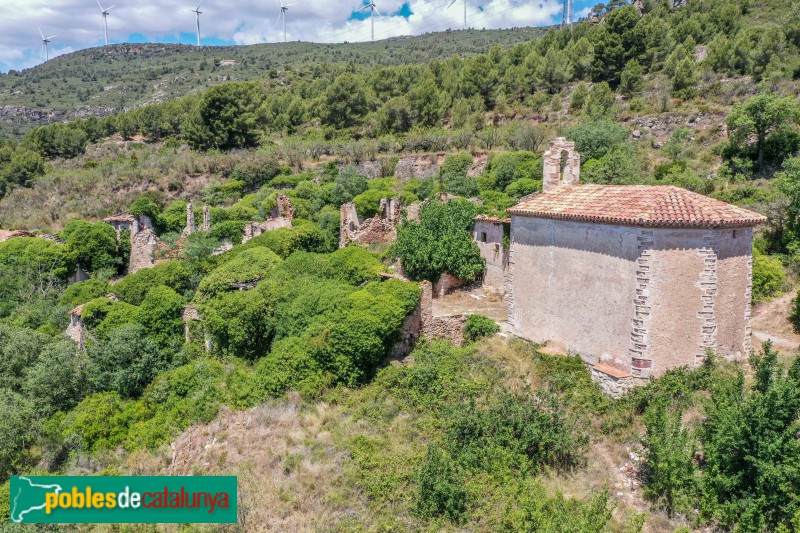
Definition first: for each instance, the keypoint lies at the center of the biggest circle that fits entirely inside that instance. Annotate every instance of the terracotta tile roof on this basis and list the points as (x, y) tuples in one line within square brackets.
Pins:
[(636, 205), (487, 218)]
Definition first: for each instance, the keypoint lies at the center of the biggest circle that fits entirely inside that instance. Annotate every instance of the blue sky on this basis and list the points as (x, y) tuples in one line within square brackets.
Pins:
[(77, 24)]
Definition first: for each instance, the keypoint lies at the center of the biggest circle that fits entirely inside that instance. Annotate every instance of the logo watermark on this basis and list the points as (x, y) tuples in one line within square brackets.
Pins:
[(123, 499)]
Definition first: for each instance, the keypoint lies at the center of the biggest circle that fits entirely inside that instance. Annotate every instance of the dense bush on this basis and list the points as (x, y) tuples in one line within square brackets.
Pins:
[(92, 244), (508, 167), (177, 275), (248, 266), (441, 241), (479, 326), (83, 291), (593, 139), (768, 276), (353, 265)]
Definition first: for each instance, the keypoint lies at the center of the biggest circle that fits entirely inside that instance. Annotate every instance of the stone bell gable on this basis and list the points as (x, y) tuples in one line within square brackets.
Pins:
[(561, 164)]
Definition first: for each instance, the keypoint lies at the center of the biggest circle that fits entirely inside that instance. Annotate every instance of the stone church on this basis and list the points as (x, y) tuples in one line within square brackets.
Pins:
[(635, 279)]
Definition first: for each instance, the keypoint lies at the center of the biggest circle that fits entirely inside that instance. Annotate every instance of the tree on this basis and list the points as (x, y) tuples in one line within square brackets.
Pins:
[(347, 185), (344, 102), (441, 241), (58, 140), (57, 381), (766, 116), (601, 100), (93, 244), (554, 71), (684, 79), (593, 139), (18, 432), (226, 116), (22, 169), (631, 79), (126, 361)]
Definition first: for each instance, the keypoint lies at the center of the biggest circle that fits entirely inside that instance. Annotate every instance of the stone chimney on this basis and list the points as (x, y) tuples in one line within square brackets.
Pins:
[(562, 165), (206, 218)]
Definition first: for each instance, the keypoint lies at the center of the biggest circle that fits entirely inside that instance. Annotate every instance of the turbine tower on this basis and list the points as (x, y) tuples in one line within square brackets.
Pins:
[(373, 9), (197, 14), (465, 11), (45, 42), (104, 11), (282, 16), (566, 15)]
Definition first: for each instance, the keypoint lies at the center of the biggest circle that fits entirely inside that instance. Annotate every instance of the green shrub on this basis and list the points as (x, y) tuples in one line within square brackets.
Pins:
[(290, 365), (668, 471), (241, 323), (177, 275), (508, 167), (161, 314), (92, 244), (440, 487), (368, 202), (523, 187), (256, 173), (44, 258), (768, 276), (230, 230), (594, 138), (83, 291), (300, 264), (145, 206), (248, 266), (353, 265), (479, 326)]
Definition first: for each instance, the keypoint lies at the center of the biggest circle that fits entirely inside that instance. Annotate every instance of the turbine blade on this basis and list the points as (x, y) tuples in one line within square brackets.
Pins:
[(365, 7), (109, 7), (376, 10), (99, 5), (198, 6), (40, 32), (287, 5), (280, 14), (51, 37), (451, 3)]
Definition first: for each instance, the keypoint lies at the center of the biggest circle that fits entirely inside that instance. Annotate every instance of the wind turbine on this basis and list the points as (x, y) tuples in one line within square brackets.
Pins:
[(45, 42), (104, 11), (373, 9), (197, 13), (282, 15), (465, 11)]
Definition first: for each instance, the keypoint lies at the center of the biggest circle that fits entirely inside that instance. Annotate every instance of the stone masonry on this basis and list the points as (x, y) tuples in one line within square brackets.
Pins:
[(143, 239), (280, 217), (381, 228), (561, 163)]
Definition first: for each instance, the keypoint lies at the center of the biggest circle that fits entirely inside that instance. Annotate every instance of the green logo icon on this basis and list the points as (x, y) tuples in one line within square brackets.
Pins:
[(123, 499)]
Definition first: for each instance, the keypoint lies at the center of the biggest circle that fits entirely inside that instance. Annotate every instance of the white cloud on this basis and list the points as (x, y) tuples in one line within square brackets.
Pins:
[(78, 23)]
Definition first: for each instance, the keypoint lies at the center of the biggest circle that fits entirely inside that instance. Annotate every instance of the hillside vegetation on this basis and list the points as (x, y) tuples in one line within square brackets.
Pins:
[(107, 80), (492, 436)]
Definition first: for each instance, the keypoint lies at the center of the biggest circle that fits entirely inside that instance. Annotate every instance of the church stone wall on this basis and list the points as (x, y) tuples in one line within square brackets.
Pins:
[(642, 300)]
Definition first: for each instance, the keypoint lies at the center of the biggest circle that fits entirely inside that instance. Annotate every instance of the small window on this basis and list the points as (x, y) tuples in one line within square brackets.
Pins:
[(734, 234), (483, 236)]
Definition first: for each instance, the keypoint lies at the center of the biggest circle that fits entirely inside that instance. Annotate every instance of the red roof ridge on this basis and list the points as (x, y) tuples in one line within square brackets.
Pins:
[(636, 205)]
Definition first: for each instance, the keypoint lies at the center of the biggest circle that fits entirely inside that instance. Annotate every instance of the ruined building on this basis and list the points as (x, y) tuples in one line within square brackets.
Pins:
[(281, 216), (381, 228), (634, 279), (143, 239)]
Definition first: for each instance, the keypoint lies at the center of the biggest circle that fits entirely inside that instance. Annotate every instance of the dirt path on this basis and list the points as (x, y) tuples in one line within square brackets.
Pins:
[(770, 321)]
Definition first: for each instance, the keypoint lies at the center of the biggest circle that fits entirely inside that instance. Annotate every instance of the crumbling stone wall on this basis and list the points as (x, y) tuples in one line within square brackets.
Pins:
[(381, 228), (143, 239), (192, 327), (421, 323), (76, 329), (280, 217), (418, 166), (562, 164)]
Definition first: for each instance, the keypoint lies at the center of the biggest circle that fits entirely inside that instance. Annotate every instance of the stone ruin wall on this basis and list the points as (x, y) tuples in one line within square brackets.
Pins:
[(381, 228), (281, 216), (561, 165), (422, 323)]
